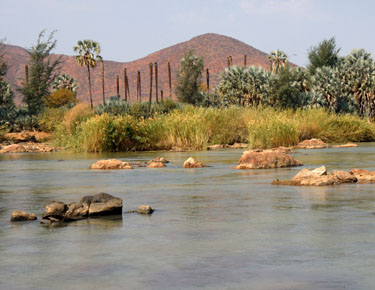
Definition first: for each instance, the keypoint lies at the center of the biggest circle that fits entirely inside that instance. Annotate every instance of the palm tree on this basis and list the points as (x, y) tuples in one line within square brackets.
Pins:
[(64, 81), (88, 55), (278, 59)]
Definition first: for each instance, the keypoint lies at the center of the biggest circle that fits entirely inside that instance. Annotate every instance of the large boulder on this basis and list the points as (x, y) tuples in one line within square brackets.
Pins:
[(76, 211), (318, 177), (19, 215), (363, 176), (192, 163), (102, 204), (111, 164), (312, 144), (264, 159)]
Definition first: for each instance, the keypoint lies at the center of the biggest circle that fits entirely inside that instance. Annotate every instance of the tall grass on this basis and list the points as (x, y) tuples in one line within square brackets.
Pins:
[(195, 127)]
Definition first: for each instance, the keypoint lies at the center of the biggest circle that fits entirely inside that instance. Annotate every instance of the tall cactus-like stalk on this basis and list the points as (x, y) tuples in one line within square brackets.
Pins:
[(170, 78), (139, 86), (161, 96), (150, 97), (208, 80), (118, 85), (26, 73), (156, 83), (103, 91), (125, 85), (245, 60), (228, 61)]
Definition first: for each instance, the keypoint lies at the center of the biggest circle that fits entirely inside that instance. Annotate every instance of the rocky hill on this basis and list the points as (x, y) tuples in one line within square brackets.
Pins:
[(214, 48)]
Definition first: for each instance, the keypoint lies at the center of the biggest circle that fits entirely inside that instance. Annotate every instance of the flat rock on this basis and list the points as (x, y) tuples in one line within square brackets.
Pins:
[(347, 145), (158, 159), (312, 144), (237, 146), (19, 215), (145, 209), (27, 136), (13, 148), (215, 147), (111, 164), (192, 163), (265, 159)]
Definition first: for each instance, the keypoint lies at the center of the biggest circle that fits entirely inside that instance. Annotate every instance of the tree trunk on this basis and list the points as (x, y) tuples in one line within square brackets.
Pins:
[(161, 96), (156, 83), (103, 83), (244, 60), (90, 93), (138, 86), (150, 98), (170, 79)]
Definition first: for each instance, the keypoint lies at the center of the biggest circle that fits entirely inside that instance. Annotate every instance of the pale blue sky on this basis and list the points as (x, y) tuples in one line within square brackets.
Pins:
[(128, 30)]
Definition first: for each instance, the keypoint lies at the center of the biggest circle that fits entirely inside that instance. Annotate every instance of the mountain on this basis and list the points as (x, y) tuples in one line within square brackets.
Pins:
[(214, 48)]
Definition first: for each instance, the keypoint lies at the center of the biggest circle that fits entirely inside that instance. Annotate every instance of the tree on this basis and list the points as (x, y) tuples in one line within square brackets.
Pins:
[(3, 65), (41, 73), (64, 81), (61, 97), (324, 54), (188, 78), (278, 59), (88, 55)]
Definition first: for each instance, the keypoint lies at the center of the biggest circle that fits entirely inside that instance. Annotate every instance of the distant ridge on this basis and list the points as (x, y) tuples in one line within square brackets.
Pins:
[(215, 49)]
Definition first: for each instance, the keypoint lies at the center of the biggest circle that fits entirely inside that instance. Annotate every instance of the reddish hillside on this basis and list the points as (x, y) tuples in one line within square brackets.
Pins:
[(213, 47)]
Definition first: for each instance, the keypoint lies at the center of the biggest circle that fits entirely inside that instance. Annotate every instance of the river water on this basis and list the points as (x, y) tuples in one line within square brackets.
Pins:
[(213, 228)]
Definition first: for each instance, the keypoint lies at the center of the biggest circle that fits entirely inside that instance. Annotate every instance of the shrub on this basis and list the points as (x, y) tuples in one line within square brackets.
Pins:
[(61, 97)]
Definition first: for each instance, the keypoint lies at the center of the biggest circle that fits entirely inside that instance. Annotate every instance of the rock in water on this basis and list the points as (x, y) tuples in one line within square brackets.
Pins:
[(312, 144), (14, 148), (111, 164), (102, 204), (192, 163), (158, 159), (347, 145), (145, 209), (55, 210), (363, 176), (265, 159), (156, 165), (19, 215)]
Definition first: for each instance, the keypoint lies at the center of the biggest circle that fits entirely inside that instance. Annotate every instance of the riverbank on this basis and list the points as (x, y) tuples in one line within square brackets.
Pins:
[(195, 128)]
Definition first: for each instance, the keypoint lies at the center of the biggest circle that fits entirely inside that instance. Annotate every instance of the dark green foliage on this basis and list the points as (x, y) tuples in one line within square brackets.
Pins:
[(41, 74), (188, 78), (117, 106), (324, 54)]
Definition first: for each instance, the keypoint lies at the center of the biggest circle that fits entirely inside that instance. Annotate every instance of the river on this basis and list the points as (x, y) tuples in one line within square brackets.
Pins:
[(213, 228)]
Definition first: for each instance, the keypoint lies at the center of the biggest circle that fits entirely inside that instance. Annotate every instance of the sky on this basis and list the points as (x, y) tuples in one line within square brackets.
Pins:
[(128, 30)]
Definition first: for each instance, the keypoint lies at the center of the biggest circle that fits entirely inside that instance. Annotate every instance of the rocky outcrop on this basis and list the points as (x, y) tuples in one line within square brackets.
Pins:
[(91, 205), (363, 176), (19, 215), (145, 209), (318, 177), (347, 145), (265, 159), (27, 147), (111, 164), (312, 144), (192, 163)]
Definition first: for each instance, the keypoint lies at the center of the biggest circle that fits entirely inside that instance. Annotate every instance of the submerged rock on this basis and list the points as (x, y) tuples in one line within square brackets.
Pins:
[(265, 159), (318, 177), (111, 164), (145, 209), (192, 163), (19, 215), (312, 144)]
